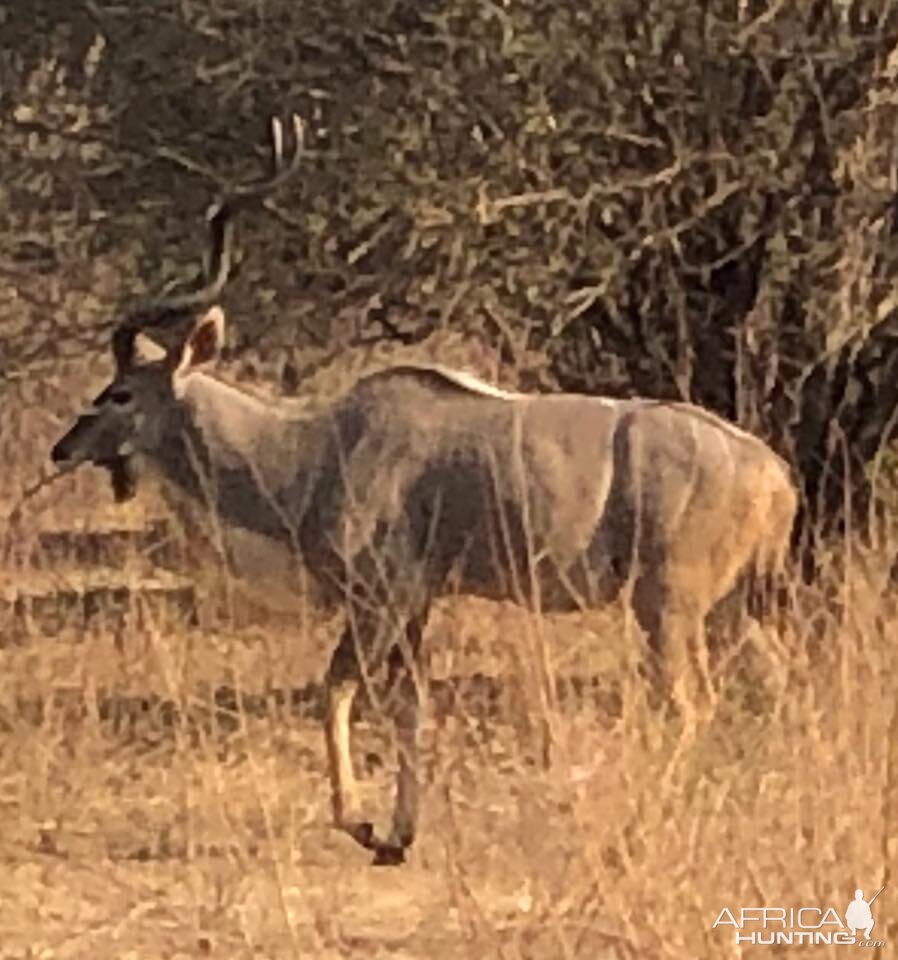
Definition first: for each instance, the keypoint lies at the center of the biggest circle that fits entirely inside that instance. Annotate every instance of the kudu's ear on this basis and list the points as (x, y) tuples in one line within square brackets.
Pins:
[(203, 343)]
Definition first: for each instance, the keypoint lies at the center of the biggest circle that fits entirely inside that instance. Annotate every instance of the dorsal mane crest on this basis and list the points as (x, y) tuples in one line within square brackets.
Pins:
[(460, 379)]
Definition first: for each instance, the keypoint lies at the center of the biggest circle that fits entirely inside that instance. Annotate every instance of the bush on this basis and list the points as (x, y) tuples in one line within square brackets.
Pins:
[(661, 197)]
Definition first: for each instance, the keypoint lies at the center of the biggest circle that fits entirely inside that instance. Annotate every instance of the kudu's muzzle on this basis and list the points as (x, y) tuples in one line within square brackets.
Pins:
[(79, 443), (122, 474)]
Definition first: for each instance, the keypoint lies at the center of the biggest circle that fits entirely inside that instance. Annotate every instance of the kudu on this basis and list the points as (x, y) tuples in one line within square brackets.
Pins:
[(422, 481)]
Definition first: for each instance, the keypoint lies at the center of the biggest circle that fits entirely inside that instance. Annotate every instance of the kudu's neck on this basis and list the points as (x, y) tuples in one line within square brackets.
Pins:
[(236, 455)]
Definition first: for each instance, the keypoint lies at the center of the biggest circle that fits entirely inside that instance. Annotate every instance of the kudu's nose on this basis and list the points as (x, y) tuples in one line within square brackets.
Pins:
[(61, 453)]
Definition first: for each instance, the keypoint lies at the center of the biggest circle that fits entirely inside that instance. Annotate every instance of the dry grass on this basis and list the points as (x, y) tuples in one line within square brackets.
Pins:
[(146, 810), (151, 833)]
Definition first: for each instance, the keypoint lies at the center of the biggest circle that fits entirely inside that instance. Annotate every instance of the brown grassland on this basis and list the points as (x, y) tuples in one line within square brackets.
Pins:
[(163, 790)]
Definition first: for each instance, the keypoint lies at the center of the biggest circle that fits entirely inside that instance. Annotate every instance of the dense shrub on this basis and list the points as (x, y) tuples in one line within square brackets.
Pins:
[(657, 196)]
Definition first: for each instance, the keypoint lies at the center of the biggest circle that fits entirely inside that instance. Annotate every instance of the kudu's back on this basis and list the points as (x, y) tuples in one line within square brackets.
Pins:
[(559, 498)]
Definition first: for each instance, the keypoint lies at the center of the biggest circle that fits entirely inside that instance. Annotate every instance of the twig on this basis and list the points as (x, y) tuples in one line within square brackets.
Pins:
[(45, 480)]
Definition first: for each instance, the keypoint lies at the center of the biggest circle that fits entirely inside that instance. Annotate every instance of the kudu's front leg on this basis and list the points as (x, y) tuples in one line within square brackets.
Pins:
[(405, 688), (400, 701), (341, 684)]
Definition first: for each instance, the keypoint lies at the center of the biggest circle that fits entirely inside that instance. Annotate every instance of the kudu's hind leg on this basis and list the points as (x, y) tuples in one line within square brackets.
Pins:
[(677, 664)]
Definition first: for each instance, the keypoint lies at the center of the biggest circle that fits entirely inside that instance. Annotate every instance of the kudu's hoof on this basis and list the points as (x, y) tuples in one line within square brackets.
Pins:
[(388, 855)]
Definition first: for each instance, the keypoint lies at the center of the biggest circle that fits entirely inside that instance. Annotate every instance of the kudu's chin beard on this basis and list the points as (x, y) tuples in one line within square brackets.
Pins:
[(122, 476)]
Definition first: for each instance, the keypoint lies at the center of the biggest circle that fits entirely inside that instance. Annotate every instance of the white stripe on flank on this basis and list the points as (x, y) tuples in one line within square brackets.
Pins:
[(690, 487)]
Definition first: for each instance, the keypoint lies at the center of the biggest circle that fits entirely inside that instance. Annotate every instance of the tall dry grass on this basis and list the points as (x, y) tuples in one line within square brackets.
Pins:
[(186, 823)]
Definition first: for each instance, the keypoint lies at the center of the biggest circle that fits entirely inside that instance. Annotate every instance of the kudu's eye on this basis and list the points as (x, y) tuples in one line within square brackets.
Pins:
[(120, 397)]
